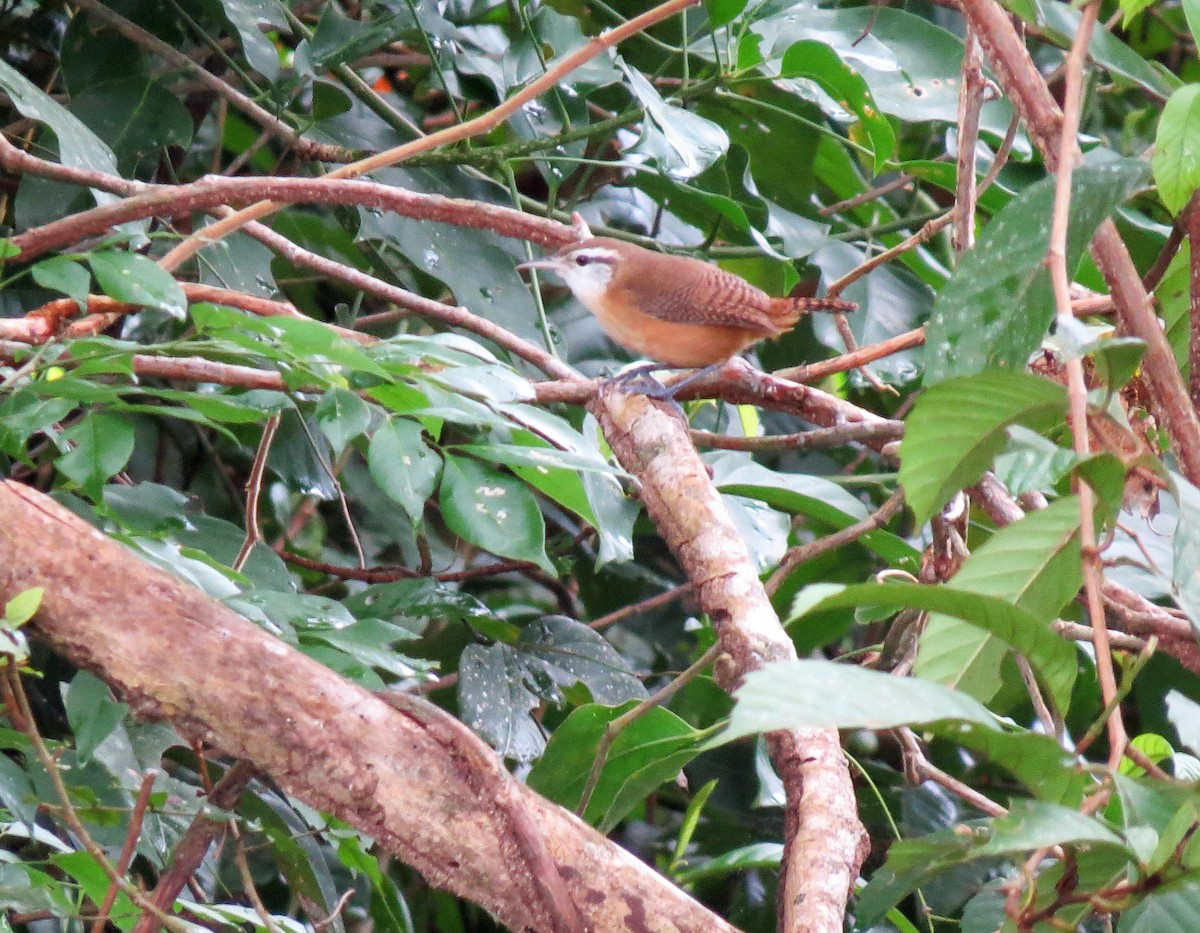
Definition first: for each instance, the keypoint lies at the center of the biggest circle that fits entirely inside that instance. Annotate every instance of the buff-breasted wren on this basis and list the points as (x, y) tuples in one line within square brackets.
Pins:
[(680, 311)]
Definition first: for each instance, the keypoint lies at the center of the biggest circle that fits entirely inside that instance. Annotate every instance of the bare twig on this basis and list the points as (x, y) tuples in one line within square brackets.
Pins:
[(254, 492), (806, 552), (970, 103), (804, 440), (481, 124), (1056, 260), (125, 859)]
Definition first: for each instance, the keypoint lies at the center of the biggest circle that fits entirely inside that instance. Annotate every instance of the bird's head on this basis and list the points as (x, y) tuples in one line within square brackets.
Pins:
[(587, 267)]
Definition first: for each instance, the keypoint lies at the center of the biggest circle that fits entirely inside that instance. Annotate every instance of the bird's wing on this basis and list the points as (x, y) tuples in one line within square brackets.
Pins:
[(713, 297)]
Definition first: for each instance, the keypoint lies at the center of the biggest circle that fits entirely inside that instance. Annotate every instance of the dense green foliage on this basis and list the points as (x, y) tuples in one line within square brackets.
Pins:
[(426, 521)]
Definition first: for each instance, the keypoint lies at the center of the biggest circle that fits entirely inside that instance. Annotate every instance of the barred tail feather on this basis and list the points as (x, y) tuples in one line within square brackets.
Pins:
[(785, 312)]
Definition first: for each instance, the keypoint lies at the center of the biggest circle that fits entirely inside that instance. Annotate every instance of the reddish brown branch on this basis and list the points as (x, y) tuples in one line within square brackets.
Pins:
[(824, 841), (214, 191), (194, 845)]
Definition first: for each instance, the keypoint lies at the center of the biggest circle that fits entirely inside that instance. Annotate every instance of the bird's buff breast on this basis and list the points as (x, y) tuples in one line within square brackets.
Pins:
[(669, 342)]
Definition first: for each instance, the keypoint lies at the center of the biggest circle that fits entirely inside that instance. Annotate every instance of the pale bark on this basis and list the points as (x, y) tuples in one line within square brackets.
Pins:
[(825, 843), (414, 779)]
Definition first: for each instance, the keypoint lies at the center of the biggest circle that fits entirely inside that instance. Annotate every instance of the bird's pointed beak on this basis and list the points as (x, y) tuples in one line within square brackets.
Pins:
[(546, 262)]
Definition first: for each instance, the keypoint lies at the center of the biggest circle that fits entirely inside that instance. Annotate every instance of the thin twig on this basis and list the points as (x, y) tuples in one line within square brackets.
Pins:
[(805, 552), (926, 770), (970, 104), (254, 492), (247, 876), (483, 123), (1056, 260), (125, 859), (803, 440)]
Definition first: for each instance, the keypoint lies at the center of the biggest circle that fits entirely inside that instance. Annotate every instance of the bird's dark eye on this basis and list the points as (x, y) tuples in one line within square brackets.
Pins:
[(582, 259)]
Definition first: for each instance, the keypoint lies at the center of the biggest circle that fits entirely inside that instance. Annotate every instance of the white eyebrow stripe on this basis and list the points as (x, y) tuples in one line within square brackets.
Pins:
[(598, 253)]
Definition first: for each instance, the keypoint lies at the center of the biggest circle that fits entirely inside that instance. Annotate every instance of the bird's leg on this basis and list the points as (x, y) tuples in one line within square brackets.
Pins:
[(695, 376), (638, 378)]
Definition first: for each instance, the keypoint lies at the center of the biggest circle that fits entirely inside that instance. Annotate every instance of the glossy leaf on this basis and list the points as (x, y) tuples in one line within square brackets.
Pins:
[(78, 146), (65, 275), (342, 416), (1176, 160), (493, 511), (138, 280), (996, 308), (990, 621), (818, 62), (957, 428), (403, 465), (794, 694), (1034, 564), (646, 753)]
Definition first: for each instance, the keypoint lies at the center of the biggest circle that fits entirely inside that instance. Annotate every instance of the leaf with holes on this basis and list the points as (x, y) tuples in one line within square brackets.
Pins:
[(403, 465), (494, 511), (996, 308)]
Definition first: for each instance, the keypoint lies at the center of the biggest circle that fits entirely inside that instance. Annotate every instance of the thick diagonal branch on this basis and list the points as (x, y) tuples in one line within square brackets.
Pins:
[(412, 782)]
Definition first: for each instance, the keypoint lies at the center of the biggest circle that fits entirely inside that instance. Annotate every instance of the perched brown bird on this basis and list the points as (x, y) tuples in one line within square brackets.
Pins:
[(674, 309)]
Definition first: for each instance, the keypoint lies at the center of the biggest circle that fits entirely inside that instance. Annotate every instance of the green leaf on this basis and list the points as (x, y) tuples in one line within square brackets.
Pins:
[(1034, 564), (794, 694), (1131, 8), (493, 511), (957, 427), (1185, 567), (403, 466), (66, 275), (1176, 159), (820, 63), (991, 619), (1034, 824), (78, 146), (1172, 908), (1031, 461), (1191, 10), (994, 311), (101, 445), (138, 280), (495, 702), (812, 496), (339, 39), (561, 651), (247, 17), (648, 752), (721, 12), (681, 143), (95, 884), (20, 609), (92, 713), (342, 416), (755, 855), (913, 862)]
